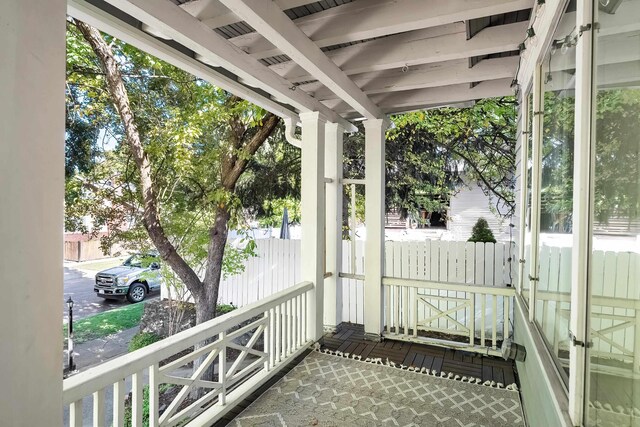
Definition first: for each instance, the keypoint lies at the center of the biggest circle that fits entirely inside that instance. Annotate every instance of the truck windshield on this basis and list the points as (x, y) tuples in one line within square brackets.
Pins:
[(140, 260)]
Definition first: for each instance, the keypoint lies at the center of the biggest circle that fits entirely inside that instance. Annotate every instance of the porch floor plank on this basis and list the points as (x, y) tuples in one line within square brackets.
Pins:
[(350, 339)]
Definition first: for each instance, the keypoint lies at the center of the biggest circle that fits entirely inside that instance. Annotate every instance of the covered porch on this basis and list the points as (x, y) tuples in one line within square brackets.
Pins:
[(322, 66)]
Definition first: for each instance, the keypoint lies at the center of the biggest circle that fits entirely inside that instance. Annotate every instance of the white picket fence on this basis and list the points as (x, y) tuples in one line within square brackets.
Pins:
[(277, 267), (479, 266), (615, 303)]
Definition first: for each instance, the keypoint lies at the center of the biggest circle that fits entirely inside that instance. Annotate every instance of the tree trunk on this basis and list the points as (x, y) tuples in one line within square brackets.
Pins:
[(207, 300), (215, 254)]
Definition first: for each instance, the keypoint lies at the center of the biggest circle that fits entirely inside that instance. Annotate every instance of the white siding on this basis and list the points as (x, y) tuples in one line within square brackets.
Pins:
[(465, 209)]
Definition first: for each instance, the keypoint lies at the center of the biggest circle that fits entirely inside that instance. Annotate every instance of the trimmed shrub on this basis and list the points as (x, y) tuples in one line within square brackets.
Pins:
[(224, 309), (142, 339), (482, 232)]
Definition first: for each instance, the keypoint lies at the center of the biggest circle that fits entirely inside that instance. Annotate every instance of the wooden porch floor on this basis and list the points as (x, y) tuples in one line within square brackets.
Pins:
[(350, 339)]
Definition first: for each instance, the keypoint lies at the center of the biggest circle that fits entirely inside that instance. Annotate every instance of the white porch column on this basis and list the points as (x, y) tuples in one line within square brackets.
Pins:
[(374, 221), (32, 78), (313, 223), (333, 171), (583, 189)]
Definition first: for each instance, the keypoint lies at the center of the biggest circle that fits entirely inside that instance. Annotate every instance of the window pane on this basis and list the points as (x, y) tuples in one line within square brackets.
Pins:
[(552, 308), (614, 388)]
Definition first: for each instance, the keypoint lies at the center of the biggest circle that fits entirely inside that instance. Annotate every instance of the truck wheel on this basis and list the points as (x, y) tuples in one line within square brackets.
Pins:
[(137, 292)]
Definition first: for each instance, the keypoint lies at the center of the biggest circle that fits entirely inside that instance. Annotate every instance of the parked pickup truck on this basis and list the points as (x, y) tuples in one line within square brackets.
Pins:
[(134, 279)]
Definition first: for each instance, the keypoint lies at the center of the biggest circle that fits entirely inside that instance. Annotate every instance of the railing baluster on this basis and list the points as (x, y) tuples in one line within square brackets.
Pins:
[(136, 401), (266, 336), (98, 408), (154, 396), (396, 311), (305, 321), (118, 403), (415, 312), (75, 414), (290, 335), (494, 315), (278, 334), (505, 313), (483, 316), (285, 330), (387, 307), (405, 309), (472, 318), (222, 370), (272, 337), (296, 304)]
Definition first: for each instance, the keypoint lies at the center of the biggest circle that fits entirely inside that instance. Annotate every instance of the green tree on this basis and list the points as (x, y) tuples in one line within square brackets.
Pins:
[(481, 232), (428, 152), (179, 149)]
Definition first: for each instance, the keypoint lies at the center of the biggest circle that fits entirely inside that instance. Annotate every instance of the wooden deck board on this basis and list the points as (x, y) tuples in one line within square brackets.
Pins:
[(350, 339)]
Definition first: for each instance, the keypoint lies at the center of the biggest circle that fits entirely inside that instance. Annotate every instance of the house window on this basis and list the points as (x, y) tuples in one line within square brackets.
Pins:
[(613, 389), (552, 305)]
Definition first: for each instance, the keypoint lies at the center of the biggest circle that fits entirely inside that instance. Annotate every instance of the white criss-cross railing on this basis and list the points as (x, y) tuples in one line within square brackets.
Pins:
[(469, 311), (245, 347)]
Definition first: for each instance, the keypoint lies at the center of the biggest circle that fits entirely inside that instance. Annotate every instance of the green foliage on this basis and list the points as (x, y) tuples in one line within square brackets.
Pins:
[(184, 124), (617, 159), (274, 210), (142, 339), (428, 153), (224, 309), (482, 232), (235, 257), (107, 323), (128, 412)]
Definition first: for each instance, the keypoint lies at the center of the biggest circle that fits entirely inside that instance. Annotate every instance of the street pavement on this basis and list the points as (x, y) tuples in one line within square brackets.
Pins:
[(78, 284)]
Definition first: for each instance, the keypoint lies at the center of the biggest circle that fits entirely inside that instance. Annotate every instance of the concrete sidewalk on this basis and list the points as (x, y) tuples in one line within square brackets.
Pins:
[(98, 351)]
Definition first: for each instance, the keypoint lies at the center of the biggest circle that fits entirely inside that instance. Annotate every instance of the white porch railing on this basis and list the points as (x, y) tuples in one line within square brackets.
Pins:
[(415, 307), (279, 322)]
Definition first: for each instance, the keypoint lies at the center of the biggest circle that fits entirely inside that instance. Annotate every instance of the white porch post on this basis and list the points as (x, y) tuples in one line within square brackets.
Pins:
[(32, 77), (313, 223), (584, 159), (374, 221), (333, 171)]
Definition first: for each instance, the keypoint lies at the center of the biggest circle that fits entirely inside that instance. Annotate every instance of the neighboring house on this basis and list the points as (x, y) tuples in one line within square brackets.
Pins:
[(469, 204), (465, 207)]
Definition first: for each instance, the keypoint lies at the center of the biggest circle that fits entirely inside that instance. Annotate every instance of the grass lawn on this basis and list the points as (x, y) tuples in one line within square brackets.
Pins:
[(101, 265), (107, 323)]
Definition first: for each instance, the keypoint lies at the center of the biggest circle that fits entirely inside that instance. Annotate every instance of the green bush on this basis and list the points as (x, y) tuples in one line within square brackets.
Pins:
[(224, 309), (142, 339), (482, 232)]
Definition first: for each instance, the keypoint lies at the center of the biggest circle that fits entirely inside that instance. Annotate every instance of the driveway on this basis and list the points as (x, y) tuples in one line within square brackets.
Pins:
[(78, 284)]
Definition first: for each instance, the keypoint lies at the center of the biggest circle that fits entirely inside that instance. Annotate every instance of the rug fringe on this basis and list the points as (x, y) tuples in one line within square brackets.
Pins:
[(433, 372), (619, 409)]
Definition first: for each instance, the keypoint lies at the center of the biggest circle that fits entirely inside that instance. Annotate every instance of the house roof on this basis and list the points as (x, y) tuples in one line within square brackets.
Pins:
[(348, 59)]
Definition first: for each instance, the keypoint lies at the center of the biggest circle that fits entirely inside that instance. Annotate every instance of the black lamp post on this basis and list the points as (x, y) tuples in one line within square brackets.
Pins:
[(71, 365)]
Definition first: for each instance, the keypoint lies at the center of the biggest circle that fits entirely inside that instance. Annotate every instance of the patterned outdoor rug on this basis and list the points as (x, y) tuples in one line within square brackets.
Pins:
[(328, 390)]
